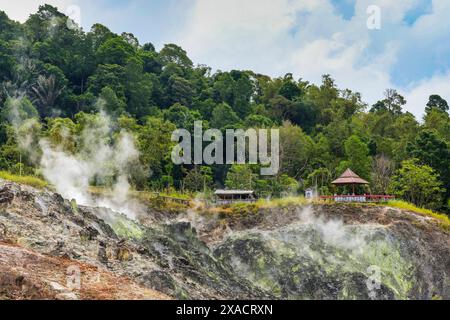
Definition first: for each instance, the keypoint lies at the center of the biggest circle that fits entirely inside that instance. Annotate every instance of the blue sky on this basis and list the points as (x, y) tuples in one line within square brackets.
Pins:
[(410, 52)]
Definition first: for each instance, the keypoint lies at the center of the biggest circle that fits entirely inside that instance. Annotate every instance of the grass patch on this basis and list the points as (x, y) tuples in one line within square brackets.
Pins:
[(143, 195), (443, 218), (244, 208), (282, 202), (149, 198), (28, 180)]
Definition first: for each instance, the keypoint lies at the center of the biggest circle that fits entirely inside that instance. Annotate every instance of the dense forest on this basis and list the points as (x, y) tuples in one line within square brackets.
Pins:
[(57, 79)]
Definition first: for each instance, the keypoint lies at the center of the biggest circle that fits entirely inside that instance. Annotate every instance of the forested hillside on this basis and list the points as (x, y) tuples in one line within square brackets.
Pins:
[(58, 80)]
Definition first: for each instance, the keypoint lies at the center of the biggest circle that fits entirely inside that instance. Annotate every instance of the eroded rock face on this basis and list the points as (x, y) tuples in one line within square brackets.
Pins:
[(25, 274), (166, 256), (322, 252)]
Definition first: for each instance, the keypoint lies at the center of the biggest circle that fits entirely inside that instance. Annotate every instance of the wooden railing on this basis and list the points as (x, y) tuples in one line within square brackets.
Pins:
[(231, 201), (359, 198)]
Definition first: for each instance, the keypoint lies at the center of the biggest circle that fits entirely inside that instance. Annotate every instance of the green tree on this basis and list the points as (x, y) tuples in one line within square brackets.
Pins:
[(223, 116), (198, 179), (240, 177), (17, 110), (438, 120), (393, 103), (180, 90), (111, 103), (320, 178), (418, 184), (435, 101), (284, 185), (296, 150), (182, 117), (289, 88), (115, 51), (357, 155), (155, 145), (258, 121), (7, 61), (61, 134), (171, 53), (382, 172), (110, 75), (433, 151), (138, 89)]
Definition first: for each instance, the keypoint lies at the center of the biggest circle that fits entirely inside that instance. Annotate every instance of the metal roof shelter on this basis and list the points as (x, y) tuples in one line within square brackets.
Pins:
[(231, 196), (233, 192)]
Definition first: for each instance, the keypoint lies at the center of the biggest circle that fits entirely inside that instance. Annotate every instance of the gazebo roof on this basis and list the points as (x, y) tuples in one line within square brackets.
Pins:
[(349, 177)]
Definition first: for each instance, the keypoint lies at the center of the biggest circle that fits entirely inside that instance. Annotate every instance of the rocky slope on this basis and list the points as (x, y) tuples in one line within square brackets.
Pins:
[(312, 252)]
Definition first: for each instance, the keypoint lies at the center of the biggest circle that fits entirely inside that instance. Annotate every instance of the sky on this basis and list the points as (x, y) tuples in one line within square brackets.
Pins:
[(365, 45)]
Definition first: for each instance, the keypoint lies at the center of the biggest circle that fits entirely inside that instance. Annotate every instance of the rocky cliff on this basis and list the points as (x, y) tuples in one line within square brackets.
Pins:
[(51, 247)]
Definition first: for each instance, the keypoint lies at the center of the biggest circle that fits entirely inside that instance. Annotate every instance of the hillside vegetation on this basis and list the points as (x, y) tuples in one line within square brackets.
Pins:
[(75, 93)]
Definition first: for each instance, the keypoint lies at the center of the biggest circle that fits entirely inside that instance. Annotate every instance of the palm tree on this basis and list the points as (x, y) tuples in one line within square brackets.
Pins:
[(46, 91)]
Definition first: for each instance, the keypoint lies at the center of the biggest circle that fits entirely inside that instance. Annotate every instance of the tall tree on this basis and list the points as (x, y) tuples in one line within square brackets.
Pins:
[(358, 159), (418, 184), (393, 102), (435, 101)]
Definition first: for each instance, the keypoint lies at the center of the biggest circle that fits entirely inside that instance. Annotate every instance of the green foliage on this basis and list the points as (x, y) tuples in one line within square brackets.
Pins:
[(115, 51), (392, 103), (436, 102), (66, 76), (172, 53), (182, 117), (418, 184), (27, 180), (18, 110), (240, 177), (198, 179), (440, 121), (444, 220), (223, 116), (357, 154), (112, 104), (433, 151), (296, 150), (155, 145)]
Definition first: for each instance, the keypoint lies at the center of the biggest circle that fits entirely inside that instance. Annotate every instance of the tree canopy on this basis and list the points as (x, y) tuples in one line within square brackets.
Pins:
[(63, 77)]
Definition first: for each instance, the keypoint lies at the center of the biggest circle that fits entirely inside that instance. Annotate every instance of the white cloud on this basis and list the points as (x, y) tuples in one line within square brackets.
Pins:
[(418, 93), (21, 9), (309, 38), (306, 37)]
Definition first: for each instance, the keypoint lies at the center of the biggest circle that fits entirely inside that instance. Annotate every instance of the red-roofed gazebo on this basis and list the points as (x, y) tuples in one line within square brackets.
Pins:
[(350, 178)]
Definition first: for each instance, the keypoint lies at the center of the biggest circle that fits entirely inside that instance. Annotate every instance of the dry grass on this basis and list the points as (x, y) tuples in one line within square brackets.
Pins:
[(27, 180), (443, 218), (282, 202)]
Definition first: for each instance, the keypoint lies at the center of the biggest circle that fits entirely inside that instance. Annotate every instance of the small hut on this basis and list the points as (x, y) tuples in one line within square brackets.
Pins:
[(309, 193), (233, 196), (350, 178)]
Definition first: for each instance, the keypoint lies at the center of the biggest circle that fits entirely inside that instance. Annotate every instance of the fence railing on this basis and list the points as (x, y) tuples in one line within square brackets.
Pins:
[(359, 198), (232, 201)]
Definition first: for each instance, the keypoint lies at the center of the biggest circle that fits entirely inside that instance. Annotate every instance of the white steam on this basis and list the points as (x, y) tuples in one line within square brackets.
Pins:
[(333, 232), (99, 159)]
